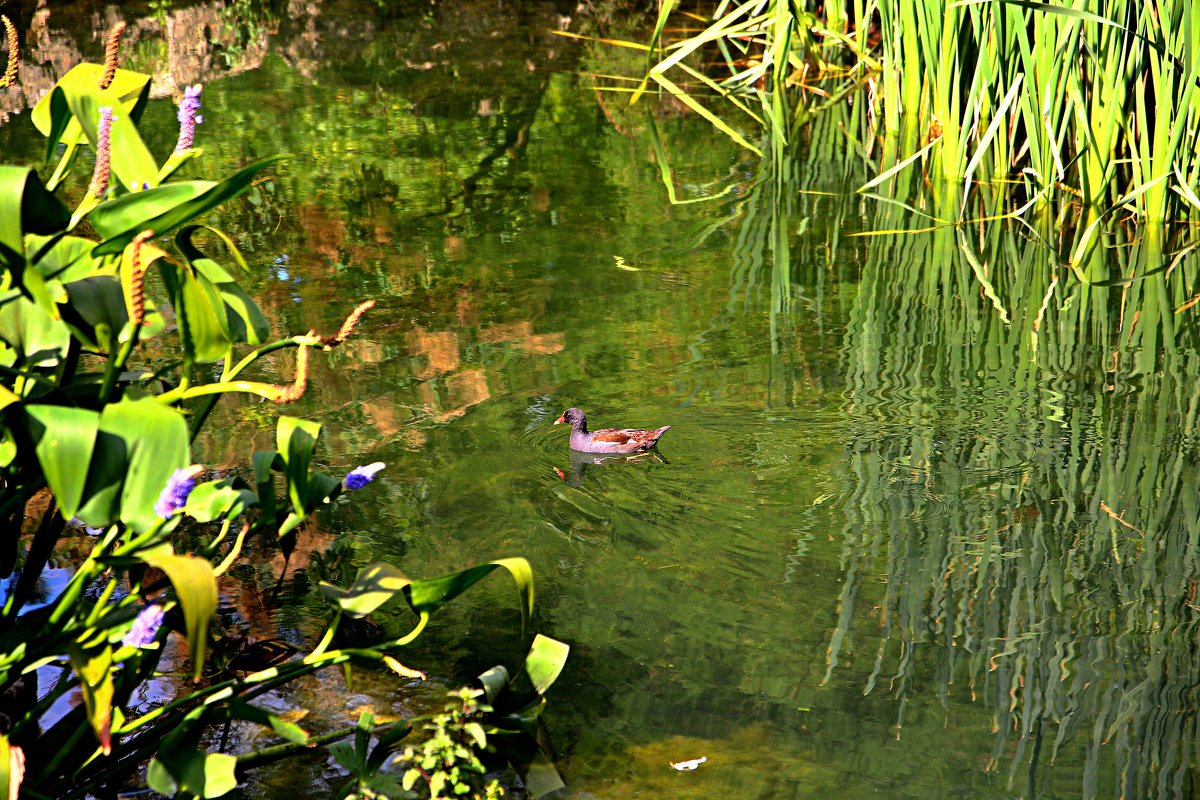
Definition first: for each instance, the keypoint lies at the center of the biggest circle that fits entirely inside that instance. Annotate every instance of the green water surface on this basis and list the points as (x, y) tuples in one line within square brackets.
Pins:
[(926, 523)]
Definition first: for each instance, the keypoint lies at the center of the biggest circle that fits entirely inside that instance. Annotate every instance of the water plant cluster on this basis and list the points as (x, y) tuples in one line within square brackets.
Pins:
[(1088, 104), (109, 371)]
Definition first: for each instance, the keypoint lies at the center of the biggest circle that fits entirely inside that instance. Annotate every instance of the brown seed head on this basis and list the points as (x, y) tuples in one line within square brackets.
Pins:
[(294, 392), (347, 329), (110, 55), (10, 33), (137, 279)]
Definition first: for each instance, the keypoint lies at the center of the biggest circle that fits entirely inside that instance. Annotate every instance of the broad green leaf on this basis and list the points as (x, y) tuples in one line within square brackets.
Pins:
[(96, 311), (493, 682), (373, 587), (543, 665), (65, 258), (156, 437), (427, 595), (94, 670), (196, 587), (70, 114), (64, 438), (131, 212), (540, 776), (25, 207), (264, 481), (184, 212)]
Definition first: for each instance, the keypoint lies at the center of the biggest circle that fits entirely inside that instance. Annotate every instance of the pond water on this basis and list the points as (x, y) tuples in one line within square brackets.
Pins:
[(925, 525)]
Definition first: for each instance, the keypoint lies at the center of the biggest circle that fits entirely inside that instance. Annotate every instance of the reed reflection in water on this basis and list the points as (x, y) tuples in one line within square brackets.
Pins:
[(1023, 468)]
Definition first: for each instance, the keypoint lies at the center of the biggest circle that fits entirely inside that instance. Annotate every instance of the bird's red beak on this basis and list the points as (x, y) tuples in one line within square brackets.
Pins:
[(561, 419)]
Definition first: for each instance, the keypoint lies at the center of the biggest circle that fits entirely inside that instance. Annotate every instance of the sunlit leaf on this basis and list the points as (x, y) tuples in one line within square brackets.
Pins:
[(373, 587), (192, 772), (428, 594), (196, 587), (245, 321), (94, 669), (141, 443), (214, 500), (39, 339), (122, 223), (69, 113)]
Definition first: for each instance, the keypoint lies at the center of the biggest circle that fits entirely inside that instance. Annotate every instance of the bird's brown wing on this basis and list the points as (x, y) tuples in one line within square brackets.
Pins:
[(618, 435), (629, 436)]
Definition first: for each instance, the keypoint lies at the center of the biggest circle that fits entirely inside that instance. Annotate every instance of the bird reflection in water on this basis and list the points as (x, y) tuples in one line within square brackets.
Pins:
[(581, 462)]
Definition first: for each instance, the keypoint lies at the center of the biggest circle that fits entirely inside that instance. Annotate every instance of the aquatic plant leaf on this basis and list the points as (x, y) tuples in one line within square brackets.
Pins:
[(70, 114), (196, 586), (38, 338), (374, 586), (131, 212), (153, 440), (200, 314), (183, 212), (263, 462), (245, 321), (25, 207), (427, 595), (214, 500), (192, 772), (94, 670), (64, 258), (284, 729), (96, 311), (64, 438), (543, 665), (296, 440)]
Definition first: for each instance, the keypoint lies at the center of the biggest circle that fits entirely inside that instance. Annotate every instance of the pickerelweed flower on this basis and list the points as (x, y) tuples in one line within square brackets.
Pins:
[(145, 627), (359, 477), (189, 108), (103, 147), (174, 496)]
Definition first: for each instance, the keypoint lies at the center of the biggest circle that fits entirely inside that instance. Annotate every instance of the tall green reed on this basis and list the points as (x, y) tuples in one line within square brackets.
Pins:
[(1091, 103)]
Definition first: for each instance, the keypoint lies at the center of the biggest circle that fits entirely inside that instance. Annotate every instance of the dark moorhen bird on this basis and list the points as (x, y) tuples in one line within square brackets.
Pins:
[(608, 440)]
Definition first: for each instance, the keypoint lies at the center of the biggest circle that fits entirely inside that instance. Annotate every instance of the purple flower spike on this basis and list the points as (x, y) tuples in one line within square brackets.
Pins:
[(175, 495), (103, 147), (145, 627), (189, 108), (359, 477)]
